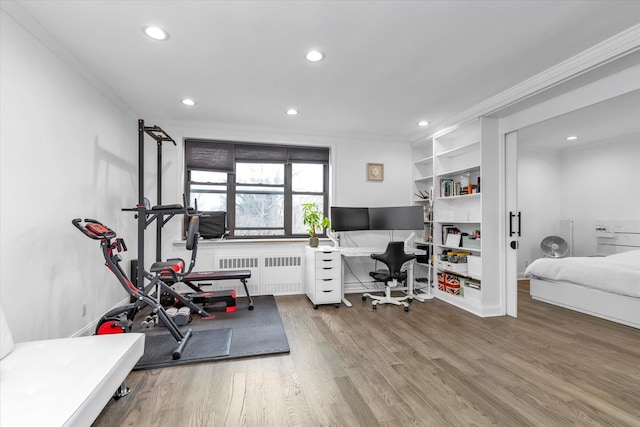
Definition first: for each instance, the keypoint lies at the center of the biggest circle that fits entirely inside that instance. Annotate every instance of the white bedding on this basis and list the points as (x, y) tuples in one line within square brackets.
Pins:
[(619, 273)]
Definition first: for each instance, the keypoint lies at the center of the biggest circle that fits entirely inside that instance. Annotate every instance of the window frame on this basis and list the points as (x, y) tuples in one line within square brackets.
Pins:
[(295, 155)]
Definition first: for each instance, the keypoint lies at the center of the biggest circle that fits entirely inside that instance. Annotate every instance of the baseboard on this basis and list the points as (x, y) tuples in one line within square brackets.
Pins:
[(89, 329)]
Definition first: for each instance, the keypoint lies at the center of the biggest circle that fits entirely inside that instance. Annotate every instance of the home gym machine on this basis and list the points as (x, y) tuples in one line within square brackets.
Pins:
[(146, 215), (175, 270), (120, 319)]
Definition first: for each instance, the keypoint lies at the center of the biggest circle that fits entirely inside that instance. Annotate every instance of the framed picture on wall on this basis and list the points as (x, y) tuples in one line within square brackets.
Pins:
[(375, 171)]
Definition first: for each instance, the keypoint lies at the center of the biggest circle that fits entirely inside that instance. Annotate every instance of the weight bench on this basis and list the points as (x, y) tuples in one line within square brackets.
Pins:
[(173, 271), (192, 279)]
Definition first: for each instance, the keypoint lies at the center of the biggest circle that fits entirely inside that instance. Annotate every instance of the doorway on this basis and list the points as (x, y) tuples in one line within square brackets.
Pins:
[(549, 178)]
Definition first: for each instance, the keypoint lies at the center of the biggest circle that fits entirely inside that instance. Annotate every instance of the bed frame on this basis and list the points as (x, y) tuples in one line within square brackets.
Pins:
[(616, 237), (614, 307)]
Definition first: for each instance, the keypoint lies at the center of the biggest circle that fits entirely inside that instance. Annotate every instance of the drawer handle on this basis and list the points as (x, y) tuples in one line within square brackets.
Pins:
[(327, 280), (327, 268), (326, 292)]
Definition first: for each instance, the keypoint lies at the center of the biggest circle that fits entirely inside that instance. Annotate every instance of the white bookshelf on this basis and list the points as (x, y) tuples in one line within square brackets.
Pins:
[(456, 158)]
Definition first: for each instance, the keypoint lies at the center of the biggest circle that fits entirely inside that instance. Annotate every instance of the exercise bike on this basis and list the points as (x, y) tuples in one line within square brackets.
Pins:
[(120, 319)]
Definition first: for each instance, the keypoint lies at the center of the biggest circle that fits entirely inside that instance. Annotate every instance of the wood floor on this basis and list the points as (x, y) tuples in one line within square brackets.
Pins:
[(433, 366)]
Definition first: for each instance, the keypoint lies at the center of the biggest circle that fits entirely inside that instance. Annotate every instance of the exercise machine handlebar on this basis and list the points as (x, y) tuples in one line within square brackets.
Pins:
[(94, 229)]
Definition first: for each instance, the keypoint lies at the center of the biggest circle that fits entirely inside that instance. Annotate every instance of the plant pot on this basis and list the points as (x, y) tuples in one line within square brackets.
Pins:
[(313, 242)]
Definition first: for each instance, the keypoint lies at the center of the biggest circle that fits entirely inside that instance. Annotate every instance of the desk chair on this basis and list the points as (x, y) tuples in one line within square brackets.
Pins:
[(394, 257)]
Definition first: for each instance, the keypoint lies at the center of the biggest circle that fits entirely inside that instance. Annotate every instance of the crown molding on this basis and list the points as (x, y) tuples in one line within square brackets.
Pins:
[(609, 50), (18, 14)]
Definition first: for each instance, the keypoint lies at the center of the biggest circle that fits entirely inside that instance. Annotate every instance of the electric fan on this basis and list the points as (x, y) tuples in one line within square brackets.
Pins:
[(554, 246)]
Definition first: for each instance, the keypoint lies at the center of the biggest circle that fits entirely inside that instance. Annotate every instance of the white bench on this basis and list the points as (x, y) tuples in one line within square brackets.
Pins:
[(62, 382)]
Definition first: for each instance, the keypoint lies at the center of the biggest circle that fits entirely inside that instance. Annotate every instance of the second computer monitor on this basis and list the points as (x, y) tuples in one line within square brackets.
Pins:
[(388, 218), (396, 218)]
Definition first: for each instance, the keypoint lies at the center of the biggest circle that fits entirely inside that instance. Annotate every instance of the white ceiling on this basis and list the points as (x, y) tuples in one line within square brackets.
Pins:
[(606, 121), (388, 64)]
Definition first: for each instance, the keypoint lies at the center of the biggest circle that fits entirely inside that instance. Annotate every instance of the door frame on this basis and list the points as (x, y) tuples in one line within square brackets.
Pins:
[(608, 87), (511, 206)]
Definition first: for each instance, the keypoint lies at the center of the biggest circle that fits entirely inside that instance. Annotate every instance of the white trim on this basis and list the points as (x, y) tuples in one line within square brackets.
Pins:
[(613, 48), (91, 327), (33, 27), (608, 87)]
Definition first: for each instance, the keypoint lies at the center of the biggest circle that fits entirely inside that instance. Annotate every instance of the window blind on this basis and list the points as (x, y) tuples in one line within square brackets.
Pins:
[(220, 156), (215, 156)]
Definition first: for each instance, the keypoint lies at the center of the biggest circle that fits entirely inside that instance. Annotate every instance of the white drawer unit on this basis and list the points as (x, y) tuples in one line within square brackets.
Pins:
[(323, 275)]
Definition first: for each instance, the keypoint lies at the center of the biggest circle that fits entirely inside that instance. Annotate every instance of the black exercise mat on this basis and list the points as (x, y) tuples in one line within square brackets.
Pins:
[(254, 332), (202, 346)]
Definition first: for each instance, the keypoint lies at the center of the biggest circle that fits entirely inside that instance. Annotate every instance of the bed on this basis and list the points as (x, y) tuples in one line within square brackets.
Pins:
[(607, 287)]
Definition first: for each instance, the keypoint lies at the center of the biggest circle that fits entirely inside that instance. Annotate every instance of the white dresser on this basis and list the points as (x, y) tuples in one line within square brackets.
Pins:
[(323, 275)]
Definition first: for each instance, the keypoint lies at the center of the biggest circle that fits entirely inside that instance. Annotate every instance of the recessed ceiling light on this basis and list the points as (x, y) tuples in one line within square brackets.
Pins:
[(189, 102), (571, 138), (314, 56), (423, 123), (156, 33), (292, 111)]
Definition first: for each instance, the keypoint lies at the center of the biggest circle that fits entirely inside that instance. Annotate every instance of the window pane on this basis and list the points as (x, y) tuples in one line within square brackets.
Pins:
[(298, 227), (307, 177), (213, 177), (210, 202), (259, 173), (260, 210), (255, 189)]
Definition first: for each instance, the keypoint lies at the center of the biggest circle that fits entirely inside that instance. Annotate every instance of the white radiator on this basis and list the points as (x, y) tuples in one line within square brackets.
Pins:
[(282, 274), (270, 274), (566, 232), (244, 262)]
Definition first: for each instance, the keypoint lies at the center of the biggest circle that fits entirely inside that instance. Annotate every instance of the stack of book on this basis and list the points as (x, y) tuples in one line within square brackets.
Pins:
[(450, 188), (451, 230)]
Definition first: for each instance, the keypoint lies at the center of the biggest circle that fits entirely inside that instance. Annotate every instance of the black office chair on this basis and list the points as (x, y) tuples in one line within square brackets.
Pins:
[(394, 257)]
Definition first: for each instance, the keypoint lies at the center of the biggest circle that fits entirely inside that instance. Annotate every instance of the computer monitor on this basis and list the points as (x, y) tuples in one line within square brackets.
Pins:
[(349, 219), (396, 218)]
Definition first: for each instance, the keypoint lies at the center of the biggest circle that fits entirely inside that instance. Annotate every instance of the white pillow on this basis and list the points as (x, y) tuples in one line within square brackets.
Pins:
[(6, 339)]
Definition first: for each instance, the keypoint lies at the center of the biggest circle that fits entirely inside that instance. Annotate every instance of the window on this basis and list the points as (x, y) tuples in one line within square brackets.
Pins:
[(261, 187)]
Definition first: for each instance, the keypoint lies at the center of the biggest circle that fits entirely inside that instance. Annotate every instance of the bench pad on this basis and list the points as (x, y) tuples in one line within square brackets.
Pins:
[(201, 276)]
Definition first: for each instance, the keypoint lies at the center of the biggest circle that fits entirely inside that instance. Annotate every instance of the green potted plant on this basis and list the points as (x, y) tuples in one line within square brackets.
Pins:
[(314, 219)]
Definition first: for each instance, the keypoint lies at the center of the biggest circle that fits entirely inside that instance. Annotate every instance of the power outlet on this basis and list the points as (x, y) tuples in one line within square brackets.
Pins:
[(84, 309)]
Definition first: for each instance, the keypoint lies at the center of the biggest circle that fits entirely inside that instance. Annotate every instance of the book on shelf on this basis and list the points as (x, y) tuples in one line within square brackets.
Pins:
[(447, 187), (451, 188), (453, 240), (451, 230)]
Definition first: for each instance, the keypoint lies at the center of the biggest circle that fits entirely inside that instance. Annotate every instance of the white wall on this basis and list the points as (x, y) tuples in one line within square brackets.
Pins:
[(349, 185), (600, 182), (65, 152), (585, 183), (539, 200)]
